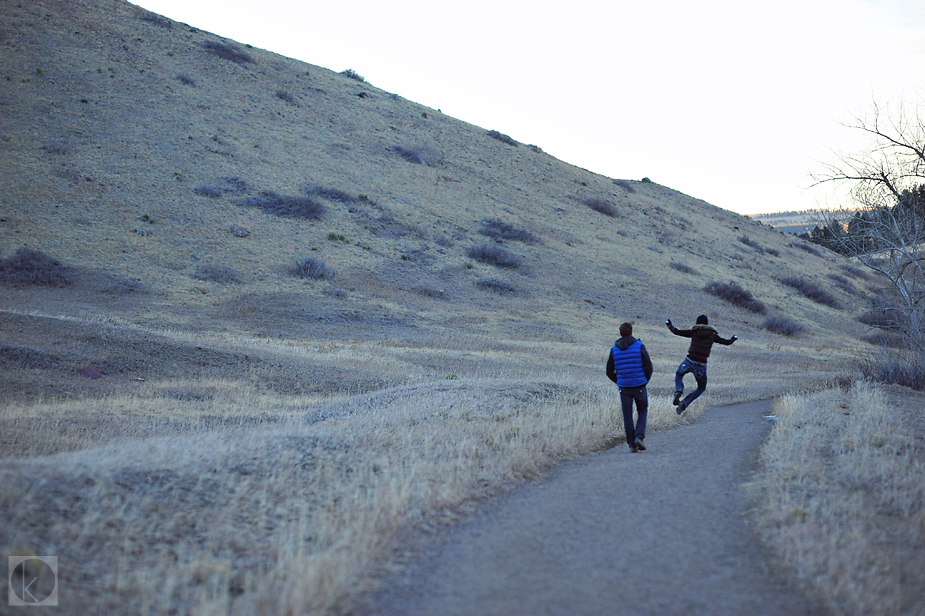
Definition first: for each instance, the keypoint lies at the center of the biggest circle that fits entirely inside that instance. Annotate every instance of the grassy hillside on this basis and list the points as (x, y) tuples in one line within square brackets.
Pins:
[(257, 260)]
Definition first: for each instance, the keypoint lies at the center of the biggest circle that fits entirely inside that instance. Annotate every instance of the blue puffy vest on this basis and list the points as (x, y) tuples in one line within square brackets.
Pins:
[(628, 365)]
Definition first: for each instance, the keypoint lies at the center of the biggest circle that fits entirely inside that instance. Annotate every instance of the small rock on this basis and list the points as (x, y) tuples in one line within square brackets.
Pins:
[(141, 232), (239, 232)]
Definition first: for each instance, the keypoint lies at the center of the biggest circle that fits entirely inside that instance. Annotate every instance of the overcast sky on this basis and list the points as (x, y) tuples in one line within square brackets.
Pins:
[(731, 102)]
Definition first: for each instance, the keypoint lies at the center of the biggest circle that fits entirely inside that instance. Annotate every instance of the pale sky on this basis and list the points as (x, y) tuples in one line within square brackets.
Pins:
[(728, 101)]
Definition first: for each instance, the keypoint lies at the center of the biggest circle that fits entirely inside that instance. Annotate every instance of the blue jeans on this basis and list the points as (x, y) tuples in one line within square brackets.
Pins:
[(640, 396), (700, 374)]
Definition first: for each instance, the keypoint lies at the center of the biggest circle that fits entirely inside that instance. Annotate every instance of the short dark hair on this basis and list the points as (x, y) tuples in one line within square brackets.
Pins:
[(703, 320), (626, 329)]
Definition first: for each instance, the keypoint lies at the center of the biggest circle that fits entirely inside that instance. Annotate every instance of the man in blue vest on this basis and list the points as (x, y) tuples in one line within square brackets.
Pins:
[(630, 367)]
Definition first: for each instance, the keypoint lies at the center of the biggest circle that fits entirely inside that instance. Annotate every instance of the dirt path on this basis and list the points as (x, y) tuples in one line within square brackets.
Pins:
[(658, 532)]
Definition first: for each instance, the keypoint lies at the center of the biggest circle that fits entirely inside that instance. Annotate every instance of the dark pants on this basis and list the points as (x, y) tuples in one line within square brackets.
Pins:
[(700, 375), (641, 397)]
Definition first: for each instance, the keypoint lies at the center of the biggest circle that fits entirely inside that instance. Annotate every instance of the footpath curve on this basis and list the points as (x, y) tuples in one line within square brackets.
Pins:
[(663, 531)]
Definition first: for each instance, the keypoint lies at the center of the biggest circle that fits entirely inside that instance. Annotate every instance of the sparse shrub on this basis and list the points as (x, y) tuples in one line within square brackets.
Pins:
[(886, 339), (735, 295), (235, 185), (812, 291), (898, 367), (684, 269), (884, 319), (186, 80), (283, 95), (752, 244), (494, 255), (429, 157), (604, 207), (625, 185), (502, 138), (497, 229), (157, 20), (217, 273), (410, 154), (782, 325), (28, 267), (806, 247), (227, 52), (124, 286), (331, 194), (493, 285), (774, 252), (338, 237), (286, 206), (56, 147), (19, 356), (208, 190), (854, 272), (535, 148), (843, 283), (313, 268), (352, 74), (646, 181)]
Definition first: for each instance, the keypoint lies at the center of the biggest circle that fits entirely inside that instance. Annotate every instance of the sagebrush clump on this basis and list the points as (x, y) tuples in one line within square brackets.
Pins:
[(312, 268), (683, 268), (494, 255), (28, 267), (287, 206), (812, 291), (735, 295), (782, 325), (494, 285), (227, 52), (352, 74), (217, 273), (604, 207), (502, 138), (497, 229)]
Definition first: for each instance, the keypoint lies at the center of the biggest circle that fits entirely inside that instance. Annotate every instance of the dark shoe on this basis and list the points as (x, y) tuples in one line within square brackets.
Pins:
[(677, 397), (682, 407), (633, 449), (641, 446)]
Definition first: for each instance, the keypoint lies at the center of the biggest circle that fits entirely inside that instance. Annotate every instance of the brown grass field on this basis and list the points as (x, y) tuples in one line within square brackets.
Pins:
[(259, 442)]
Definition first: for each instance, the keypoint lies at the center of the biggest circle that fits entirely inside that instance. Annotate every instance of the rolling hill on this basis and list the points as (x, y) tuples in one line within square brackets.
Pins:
[(203, 240)]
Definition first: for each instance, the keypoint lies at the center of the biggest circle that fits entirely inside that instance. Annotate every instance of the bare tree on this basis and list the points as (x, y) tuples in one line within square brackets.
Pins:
[(885, 228)]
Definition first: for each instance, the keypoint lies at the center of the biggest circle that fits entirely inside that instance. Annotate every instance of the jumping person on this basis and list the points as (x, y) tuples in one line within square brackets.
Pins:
[(702, 336), (630, 368)]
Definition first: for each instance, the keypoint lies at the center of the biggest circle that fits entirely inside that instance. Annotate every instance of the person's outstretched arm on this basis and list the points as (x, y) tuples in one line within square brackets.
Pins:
[(716, 338), (686, 333)]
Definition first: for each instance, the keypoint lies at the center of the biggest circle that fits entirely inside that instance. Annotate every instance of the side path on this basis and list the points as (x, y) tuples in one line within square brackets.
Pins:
[(656, 532)]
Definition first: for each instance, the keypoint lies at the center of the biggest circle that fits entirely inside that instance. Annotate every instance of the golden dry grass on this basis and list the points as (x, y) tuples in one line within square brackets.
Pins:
[(841, 497)]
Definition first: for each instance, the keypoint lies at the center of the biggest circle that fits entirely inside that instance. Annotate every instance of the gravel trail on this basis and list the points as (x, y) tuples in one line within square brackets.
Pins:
[(663, 531)]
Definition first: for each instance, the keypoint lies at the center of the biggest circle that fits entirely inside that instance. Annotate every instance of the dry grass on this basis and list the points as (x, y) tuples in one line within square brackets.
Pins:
[(842, 501), (292, 518)]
